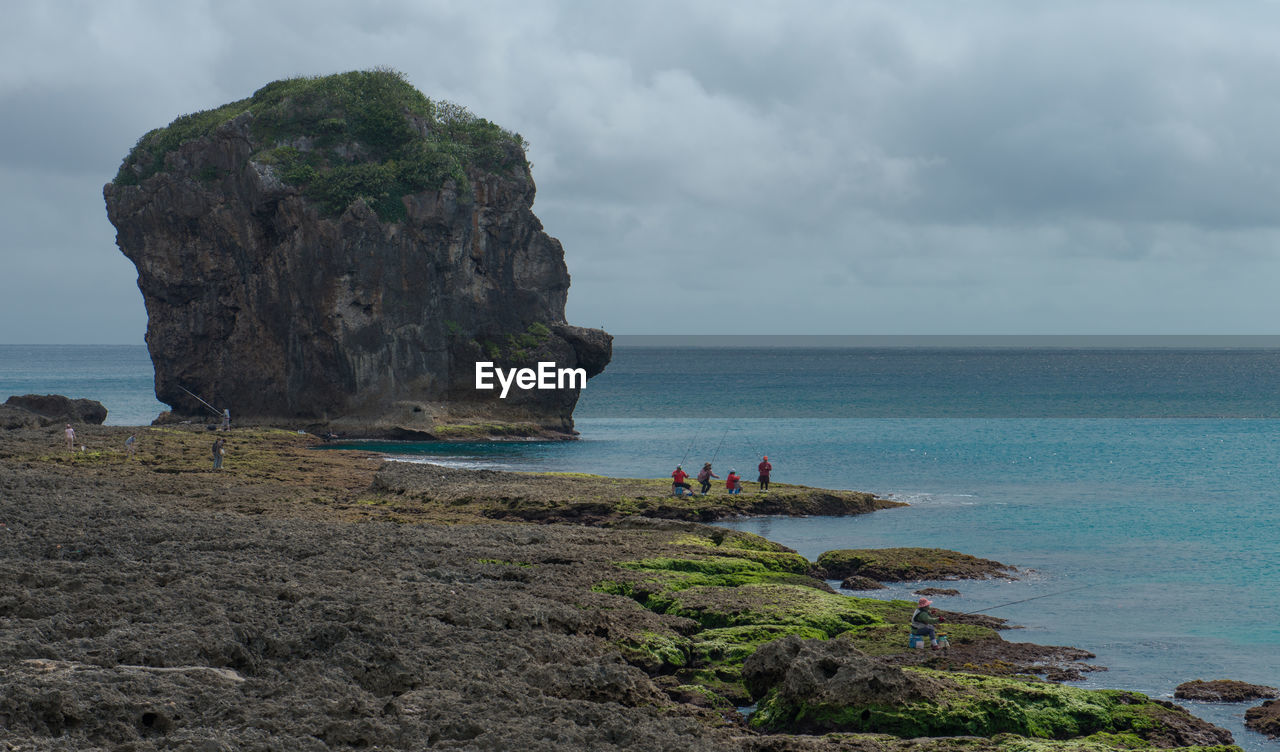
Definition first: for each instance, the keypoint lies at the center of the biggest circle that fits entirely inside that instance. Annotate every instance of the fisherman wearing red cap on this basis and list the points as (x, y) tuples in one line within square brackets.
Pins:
[(922, 621), (765, 468)]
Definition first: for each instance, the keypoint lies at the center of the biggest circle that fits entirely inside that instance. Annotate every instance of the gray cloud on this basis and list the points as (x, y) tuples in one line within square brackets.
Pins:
[(714, 167)]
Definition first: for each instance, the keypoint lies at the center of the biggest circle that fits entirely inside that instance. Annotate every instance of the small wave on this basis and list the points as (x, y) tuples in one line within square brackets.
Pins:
[(921, 498), (457, 463)]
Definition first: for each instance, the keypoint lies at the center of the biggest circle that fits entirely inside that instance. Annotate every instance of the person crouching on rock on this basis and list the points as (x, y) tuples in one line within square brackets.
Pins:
[(733, 483), (923, 621), (677, 481), (704, 477)]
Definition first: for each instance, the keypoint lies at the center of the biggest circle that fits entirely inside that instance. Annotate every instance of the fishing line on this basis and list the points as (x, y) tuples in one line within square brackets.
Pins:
[(717, 452), (691, 443), (1024, 600)]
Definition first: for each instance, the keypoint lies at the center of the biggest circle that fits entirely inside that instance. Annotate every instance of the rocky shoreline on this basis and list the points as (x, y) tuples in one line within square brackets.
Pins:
[(315, 600)]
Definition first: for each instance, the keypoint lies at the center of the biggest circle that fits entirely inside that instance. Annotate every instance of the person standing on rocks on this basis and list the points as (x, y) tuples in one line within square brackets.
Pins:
[(704, 477), (70, 433), (129, 445), (226, 419), (219, 449), (923, 622), (765, 468)]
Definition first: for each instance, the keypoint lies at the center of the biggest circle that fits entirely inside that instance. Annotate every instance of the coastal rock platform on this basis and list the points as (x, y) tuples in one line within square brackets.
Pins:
[(311, 600)]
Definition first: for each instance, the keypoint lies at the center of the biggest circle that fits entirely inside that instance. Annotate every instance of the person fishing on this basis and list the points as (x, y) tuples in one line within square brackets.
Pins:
[(677, 481), (704, 477), (765, 468), (923, 622), (733, 483)]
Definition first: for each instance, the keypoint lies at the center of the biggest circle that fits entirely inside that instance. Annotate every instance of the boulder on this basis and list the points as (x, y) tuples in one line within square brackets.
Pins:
[(54, 408), (1223, 690), (861, 583), (1265, 719), (906, 564), (944, 591), (829, 672)]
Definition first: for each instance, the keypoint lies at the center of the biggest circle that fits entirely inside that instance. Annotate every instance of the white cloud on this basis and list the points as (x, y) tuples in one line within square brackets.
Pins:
[(800, 166)]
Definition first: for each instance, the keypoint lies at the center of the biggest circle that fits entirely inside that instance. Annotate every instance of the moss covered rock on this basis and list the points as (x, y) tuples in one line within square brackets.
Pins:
[(857, 582), (904, 564), (823, 687)]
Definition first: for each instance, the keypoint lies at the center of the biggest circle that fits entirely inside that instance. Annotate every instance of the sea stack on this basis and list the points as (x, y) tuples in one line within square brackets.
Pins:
[(338, 253)]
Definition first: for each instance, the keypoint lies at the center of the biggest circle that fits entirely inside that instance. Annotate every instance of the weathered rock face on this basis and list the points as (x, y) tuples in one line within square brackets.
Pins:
[(270, 293)]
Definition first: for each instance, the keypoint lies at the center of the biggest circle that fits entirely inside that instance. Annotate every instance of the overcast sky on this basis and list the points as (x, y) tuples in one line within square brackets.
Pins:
[(729, 167)]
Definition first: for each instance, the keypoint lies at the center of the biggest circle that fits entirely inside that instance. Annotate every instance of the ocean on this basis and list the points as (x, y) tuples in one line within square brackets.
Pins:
[(1135, 488)]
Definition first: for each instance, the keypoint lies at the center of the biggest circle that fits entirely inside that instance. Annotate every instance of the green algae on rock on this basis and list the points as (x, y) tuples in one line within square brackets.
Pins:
[(821, 686), (738, 592), (906, 564)]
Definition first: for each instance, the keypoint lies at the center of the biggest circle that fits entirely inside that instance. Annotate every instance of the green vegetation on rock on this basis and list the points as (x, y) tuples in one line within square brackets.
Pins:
[(742, 591), (902, 564), (971, 705), (366, 135)]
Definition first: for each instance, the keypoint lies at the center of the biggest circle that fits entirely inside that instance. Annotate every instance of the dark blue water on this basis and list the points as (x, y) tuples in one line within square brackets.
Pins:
[(1143, 481)]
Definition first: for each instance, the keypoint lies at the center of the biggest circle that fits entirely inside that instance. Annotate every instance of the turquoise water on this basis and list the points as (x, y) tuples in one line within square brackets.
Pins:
[(1142, 481), (118, 376), (1171, 527)]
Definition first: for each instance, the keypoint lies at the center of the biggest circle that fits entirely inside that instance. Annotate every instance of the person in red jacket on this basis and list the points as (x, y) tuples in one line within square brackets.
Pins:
[(765, 468), (677, 481), (733, 483)]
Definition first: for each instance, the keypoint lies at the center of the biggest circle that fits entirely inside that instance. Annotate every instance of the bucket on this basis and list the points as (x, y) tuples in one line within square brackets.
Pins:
[(916, 641)]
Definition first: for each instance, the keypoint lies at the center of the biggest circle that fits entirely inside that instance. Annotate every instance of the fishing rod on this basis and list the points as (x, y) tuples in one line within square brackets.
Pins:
[(1024, 600), (717, 452), (206, 404)]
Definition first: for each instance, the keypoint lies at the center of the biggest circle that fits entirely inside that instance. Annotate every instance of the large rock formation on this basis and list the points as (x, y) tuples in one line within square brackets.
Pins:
[(40, 410), (339, 252)]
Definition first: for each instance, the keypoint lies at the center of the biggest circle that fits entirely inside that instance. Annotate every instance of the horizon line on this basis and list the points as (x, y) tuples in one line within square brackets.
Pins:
[(885, 340), (1216, 341)]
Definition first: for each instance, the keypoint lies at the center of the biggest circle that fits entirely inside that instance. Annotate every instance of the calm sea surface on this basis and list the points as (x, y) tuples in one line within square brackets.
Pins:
[(1145, 481)]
